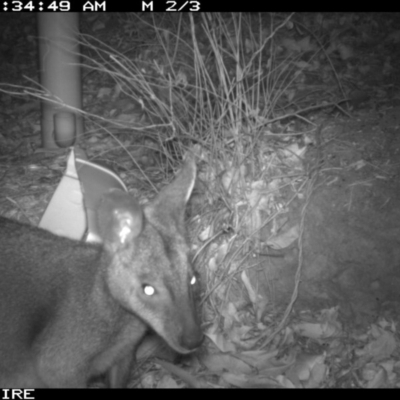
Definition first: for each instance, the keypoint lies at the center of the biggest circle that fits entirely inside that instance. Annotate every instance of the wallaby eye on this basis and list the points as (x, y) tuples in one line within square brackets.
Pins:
[(148, 290), (193, 280)]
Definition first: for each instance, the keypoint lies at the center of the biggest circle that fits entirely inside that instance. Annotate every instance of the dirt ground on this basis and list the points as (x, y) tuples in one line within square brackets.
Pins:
[(351, 243)]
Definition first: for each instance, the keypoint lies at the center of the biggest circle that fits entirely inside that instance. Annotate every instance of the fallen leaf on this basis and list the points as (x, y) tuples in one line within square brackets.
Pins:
[(219, 363)]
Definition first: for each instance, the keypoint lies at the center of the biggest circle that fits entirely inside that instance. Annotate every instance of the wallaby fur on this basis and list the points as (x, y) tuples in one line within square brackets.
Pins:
[(71, 311)]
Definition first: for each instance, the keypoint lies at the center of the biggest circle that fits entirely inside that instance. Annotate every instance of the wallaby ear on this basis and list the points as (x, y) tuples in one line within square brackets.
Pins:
[(172, 199), (120, 218)]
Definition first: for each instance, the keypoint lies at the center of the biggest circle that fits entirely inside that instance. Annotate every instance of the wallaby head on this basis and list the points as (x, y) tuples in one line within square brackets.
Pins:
[(70, 311), (148, 265)]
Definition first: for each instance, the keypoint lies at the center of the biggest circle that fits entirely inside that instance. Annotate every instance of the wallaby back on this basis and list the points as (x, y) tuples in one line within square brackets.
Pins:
[(70, 311)]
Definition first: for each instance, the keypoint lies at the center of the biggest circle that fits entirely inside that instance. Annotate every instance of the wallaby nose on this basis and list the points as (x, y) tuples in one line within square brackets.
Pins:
[(192, 335), (193, 339)]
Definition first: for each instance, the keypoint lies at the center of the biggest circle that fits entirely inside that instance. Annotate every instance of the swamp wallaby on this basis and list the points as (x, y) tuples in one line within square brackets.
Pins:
[(71, 311)]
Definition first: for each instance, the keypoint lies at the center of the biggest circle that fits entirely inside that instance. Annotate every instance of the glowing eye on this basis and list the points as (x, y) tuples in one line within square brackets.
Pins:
[(148, 290), (193, 280)]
